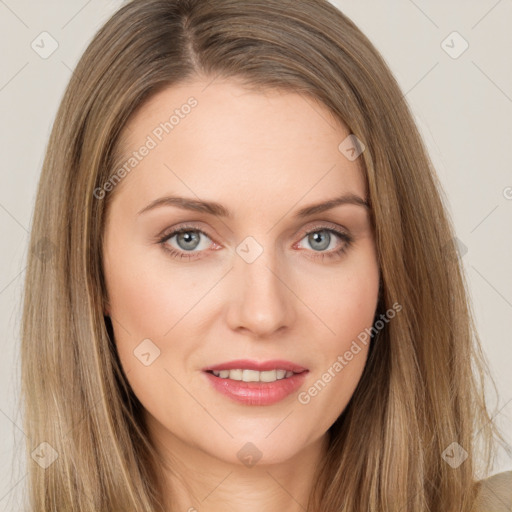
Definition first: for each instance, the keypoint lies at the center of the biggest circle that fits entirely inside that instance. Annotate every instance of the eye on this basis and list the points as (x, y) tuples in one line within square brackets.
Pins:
[(322, 238), (187, 239)]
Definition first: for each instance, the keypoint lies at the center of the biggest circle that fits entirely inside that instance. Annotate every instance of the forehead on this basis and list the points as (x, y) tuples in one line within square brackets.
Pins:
[(222, 140)]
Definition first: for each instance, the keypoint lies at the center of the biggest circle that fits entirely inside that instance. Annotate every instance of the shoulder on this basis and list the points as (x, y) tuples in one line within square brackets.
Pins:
[(495, 493)]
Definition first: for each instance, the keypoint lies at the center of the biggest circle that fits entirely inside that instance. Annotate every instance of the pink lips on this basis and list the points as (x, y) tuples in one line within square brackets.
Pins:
[(275, 364), (257, 393)]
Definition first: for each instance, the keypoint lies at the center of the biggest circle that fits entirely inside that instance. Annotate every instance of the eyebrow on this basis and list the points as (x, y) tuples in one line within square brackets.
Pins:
[(217, 209)]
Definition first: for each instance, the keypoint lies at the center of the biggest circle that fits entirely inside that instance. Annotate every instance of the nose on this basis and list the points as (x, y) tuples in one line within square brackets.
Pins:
[(261, 299)]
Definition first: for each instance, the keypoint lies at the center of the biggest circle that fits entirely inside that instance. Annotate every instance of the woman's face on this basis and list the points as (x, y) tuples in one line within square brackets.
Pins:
[(251, 278)]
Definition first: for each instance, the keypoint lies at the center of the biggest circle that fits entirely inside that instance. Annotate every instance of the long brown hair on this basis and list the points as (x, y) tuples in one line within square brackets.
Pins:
[(422, 387)]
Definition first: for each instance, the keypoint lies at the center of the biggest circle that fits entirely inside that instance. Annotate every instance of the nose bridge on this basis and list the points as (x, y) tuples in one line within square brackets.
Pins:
[(262, 301)]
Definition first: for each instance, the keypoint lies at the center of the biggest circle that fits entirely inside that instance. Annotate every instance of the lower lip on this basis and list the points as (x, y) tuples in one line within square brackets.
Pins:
[(257, 393)]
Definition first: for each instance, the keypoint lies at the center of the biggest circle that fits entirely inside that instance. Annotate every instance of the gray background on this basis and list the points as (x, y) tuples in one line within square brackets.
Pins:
[(462, 105)]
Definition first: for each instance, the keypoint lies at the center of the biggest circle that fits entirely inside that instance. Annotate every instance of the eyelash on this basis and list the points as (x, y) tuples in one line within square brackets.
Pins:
[(184, 229)]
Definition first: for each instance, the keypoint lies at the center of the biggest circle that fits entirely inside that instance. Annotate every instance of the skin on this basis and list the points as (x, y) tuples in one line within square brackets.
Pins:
[(264, 156)]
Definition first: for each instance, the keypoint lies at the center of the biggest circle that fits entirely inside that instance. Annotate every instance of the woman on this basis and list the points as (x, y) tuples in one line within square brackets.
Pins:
[(248, 296)]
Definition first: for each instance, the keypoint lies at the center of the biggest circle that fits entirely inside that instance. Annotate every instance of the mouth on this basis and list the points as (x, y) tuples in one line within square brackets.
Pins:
[(256, 383)]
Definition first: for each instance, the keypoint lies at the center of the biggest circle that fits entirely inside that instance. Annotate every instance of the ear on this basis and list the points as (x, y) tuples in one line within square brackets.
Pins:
[(106, 308)]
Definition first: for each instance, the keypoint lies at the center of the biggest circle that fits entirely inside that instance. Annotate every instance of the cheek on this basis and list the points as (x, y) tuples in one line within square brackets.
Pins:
[(352, 308), (347, 301), (153, 299), (146, 304), (349, 317), (347, 308), (143, 305), (144, 297)]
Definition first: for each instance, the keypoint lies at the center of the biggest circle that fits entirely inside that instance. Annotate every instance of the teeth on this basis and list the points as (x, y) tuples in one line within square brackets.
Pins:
[(253, 375)]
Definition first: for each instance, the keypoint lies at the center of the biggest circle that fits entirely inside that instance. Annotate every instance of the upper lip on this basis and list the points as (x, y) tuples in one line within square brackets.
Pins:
[(274, 364)]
